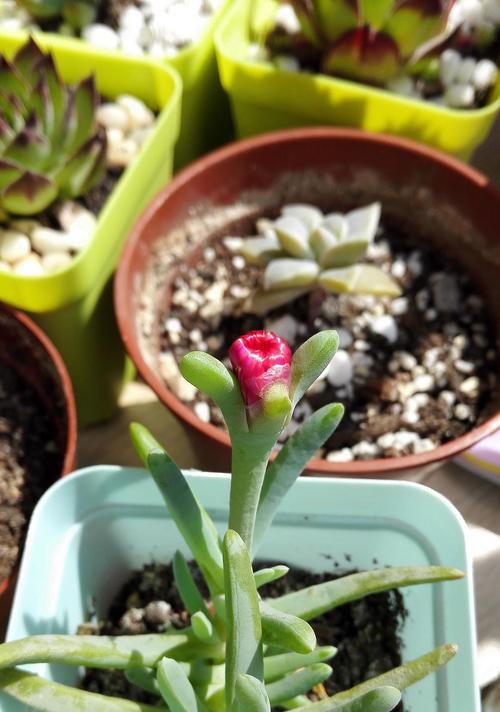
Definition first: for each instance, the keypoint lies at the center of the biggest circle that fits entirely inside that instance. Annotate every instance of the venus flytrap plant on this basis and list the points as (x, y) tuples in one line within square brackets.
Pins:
[(240, 653)]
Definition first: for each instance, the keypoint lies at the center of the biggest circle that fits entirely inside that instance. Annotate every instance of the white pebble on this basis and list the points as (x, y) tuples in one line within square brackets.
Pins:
[(55, 261), (173, 325), (113, 116), (345, 338), (287, 63), (45, 240), (386, 441), (485, 74), (340, 371), (202, 410), (399, 306), (407, 360), (139, 114), (365, 450), (447, 397), (449, 63), (410, 417), (31, 266), (101, 36), (287, 18), (239, 262), (285, 327), (466, 70), (423, 445), (491, 9), (122, 154), (464, 366), (423, 383), (344, 455), (257, 53), (459, 96), (470, 386), (14, 246), (386, 326), (462, 411), (398, 269)]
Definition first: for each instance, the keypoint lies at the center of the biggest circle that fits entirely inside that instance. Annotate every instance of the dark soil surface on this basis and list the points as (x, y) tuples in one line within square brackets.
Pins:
[(95, 199), (29, 461), (366, 633), (422, 366)]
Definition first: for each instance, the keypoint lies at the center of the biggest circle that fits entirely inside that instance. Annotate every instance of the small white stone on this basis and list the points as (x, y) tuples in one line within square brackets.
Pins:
[(157, 612), (471, 11), (407, 360), (399, 306), (55, 261), (404, 438), (344, 455), (285, 327), (402, 85), (423, 383), (286, 17), (140, 136), (470, 386), (287, 63), (386, 326), (449, 63), (485, 74), (257, 53), (113, 116), (340, 372), (459, 95), (386, 441), (415, 263), (361, 345), (423, 445), (410, 417), (173, 325), (122, 154), (365, 450), (462, 411), (447, 397), (30, 266), (239, 262), (131, 16), (398, 269), (464, 366), (202, 410), (14, 246), (140, 115), (466, 70), (45, 240), (101, 36), (345, 338), (233, 244)]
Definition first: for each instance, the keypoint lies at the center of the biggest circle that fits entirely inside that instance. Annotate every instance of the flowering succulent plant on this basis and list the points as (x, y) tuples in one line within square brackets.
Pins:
[(304, 249), (367, 40), (240, 653), (50, 144), (77, 13)]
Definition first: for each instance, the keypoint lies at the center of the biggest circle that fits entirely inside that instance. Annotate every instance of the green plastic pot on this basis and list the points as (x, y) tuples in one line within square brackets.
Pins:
[(206, 118), (92, 529), (264, 98), (74, 306)]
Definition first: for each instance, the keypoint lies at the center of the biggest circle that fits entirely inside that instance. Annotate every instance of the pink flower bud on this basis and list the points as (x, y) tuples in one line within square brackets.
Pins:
[(260, 359)]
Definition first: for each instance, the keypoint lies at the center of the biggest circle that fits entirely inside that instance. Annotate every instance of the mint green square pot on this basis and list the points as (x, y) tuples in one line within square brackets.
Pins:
[(90, 530)]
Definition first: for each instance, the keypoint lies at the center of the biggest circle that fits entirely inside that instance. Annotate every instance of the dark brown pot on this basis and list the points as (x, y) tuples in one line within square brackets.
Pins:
[(454, 204), (25, 348)]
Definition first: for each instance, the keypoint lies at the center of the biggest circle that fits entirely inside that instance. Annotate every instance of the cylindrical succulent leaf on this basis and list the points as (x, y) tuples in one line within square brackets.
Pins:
[(50, 143)]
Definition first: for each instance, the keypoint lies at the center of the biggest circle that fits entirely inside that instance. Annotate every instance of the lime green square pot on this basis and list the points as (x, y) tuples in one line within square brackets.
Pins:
[(264, 98), (74, 306)]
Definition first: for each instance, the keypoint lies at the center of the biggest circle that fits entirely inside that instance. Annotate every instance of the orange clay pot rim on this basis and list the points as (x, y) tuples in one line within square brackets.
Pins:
[(69, 400), (365, 468)]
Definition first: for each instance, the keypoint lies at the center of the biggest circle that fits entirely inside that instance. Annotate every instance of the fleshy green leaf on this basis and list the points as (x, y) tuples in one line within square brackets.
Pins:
[(43, 696), (262, 301), (315, 600), (310, 360), (298, 682), (336, 16), (414, 22), (191, 518), (203, 628), (250, 695), (86, 100), (381, 699), (186, 586), (143, 441), (364, 55), (144, 678), (286, 631), (11, 81), (211, 377), (244, 643), (29, 194), (399, 678), (359, 279), (9, 173), (75, 174), (287, 273), (28, 149), (79, 14), (275, 666), (293, 234), (259, 250), (91, 650), (290, 463), (176, 689), (269, 574), (308, 24), (27, 58)]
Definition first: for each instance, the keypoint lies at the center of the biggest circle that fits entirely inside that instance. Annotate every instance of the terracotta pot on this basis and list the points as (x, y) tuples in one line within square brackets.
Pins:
[(454, 204), (26, 349)]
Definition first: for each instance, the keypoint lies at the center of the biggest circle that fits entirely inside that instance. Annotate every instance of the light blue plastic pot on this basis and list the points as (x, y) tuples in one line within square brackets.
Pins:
[(91, 529)]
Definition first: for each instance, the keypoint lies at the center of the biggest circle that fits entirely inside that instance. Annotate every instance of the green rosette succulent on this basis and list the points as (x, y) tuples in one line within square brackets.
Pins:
[(50, 143), (77, 13), (367, 40)]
